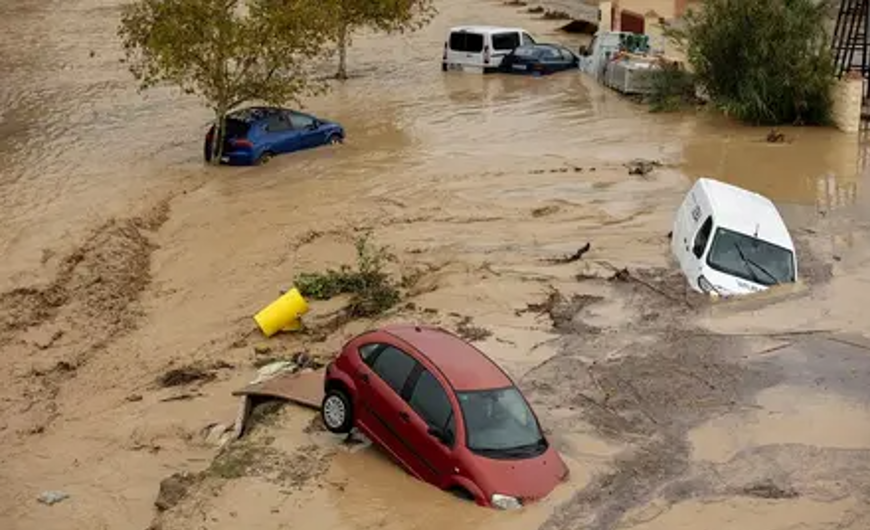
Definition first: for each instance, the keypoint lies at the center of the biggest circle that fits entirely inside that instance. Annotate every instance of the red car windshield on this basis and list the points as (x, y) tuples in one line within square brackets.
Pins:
[(500, 424)]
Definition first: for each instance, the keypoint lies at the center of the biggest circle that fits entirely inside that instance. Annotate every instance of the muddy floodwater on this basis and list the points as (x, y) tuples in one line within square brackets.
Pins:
[(124, 257)]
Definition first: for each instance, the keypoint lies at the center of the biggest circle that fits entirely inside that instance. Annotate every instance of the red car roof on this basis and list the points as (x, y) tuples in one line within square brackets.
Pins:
[(464, 366)]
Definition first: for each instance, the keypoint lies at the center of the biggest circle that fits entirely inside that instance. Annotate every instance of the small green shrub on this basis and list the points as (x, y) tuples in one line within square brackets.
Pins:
[(764, 62), (372, 289)]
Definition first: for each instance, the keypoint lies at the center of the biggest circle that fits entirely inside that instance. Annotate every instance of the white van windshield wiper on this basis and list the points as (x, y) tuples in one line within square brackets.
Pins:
[(753, 263)]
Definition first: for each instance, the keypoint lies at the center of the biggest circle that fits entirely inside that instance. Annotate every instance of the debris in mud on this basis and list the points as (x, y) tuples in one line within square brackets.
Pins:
[(535, 10), (571, 258), (466, 329), (563, 311), (262, 349), (642, 167), (265, 412), (516, 3), (134, 398), (621, 275), (184, 396), (297, 361), (556, 15), (51, 498), (191, 374), (544, 211), (174, 488), (184, 376), (775, 137), (769, 490)]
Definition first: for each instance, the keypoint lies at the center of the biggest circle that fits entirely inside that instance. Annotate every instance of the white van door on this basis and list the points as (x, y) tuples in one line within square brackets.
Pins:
[(464, 51), (504, 42)]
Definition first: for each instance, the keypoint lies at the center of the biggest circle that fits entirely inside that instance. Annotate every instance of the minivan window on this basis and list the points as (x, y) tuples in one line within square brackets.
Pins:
[(462, 41), (750, 258), (430, 401), (394, 366), (500, 424), (505, 41), (702, 237)]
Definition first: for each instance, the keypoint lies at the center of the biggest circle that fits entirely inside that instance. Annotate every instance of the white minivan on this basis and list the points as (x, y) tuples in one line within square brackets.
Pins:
[(731, 241), (480, 49)]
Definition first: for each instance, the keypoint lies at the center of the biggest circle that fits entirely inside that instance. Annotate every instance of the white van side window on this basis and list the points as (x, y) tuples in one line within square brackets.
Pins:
[(505, 41), (466, 42), (527, 39), (702, 237)]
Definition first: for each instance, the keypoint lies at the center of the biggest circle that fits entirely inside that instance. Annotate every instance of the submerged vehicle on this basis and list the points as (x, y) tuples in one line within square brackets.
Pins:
[(480, 49), (539, 59), (731, 241), (445, 412), (254, 135)]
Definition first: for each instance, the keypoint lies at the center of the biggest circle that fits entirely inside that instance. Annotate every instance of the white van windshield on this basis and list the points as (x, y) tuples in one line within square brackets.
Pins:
[(750, 258)]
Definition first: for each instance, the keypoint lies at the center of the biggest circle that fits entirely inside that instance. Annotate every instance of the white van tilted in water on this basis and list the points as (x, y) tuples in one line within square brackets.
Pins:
[(731, 241), (480, 49)]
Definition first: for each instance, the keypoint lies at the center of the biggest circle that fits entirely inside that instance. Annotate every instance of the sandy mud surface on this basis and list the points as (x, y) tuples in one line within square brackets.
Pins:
[(130, 274)]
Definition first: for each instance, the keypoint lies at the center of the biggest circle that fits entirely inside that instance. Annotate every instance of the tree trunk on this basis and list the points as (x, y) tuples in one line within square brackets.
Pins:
[(342, 53), (217, 139)]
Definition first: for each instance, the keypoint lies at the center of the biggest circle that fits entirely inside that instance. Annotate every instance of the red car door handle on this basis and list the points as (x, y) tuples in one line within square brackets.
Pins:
[(405, 416)]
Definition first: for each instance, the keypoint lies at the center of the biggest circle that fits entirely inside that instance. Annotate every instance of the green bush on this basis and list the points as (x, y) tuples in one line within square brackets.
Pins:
[(764, 62), (672, 88), (370, 286)]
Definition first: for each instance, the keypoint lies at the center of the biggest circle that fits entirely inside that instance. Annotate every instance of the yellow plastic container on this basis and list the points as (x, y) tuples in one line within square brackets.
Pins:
[(282, 314)]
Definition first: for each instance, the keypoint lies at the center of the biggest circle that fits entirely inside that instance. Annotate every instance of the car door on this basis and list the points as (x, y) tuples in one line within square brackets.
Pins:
[(568, 58), (432, 409), (381, 382), (280, 136), (307, 128)]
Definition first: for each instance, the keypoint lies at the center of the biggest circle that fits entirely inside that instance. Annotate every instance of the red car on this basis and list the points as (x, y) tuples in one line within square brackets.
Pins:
[(445, 412)]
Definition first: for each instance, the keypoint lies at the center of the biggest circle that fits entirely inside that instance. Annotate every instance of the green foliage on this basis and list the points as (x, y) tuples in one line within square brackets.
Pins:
[(228, 52), (764, 62), (672, 88), (371, 288), (381, 15)]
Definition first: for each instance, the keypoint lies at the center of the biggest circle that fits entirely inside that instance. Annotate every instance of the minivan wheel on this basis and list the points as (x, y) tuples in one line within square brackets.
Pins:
[(264, 158), (336, 412)]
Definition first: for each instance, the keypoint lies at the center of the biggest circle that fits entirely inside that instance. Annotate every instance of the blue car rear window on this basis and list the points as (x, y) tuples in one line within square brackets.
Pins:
[(236, 128)]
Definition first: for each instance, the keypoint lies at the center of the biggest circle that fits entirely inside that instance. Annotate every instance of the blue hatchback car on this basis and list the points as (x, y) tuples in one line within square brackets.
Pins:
[(256, 134)]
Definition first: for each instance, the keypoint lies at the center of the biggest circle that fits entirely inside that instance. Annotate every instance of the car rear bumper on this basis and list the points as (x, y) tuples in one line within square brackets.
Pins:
[(237, 158)]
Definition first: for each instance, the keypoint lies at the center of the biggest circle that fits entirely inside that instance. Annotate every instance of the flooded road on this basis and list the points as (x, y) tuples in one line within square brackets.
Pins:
[(124, 256)]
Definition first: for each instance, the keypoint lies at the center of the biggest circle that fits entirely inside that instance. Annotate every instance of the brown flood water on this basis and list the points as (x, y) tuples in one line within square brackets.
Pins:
[(123, 255)]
